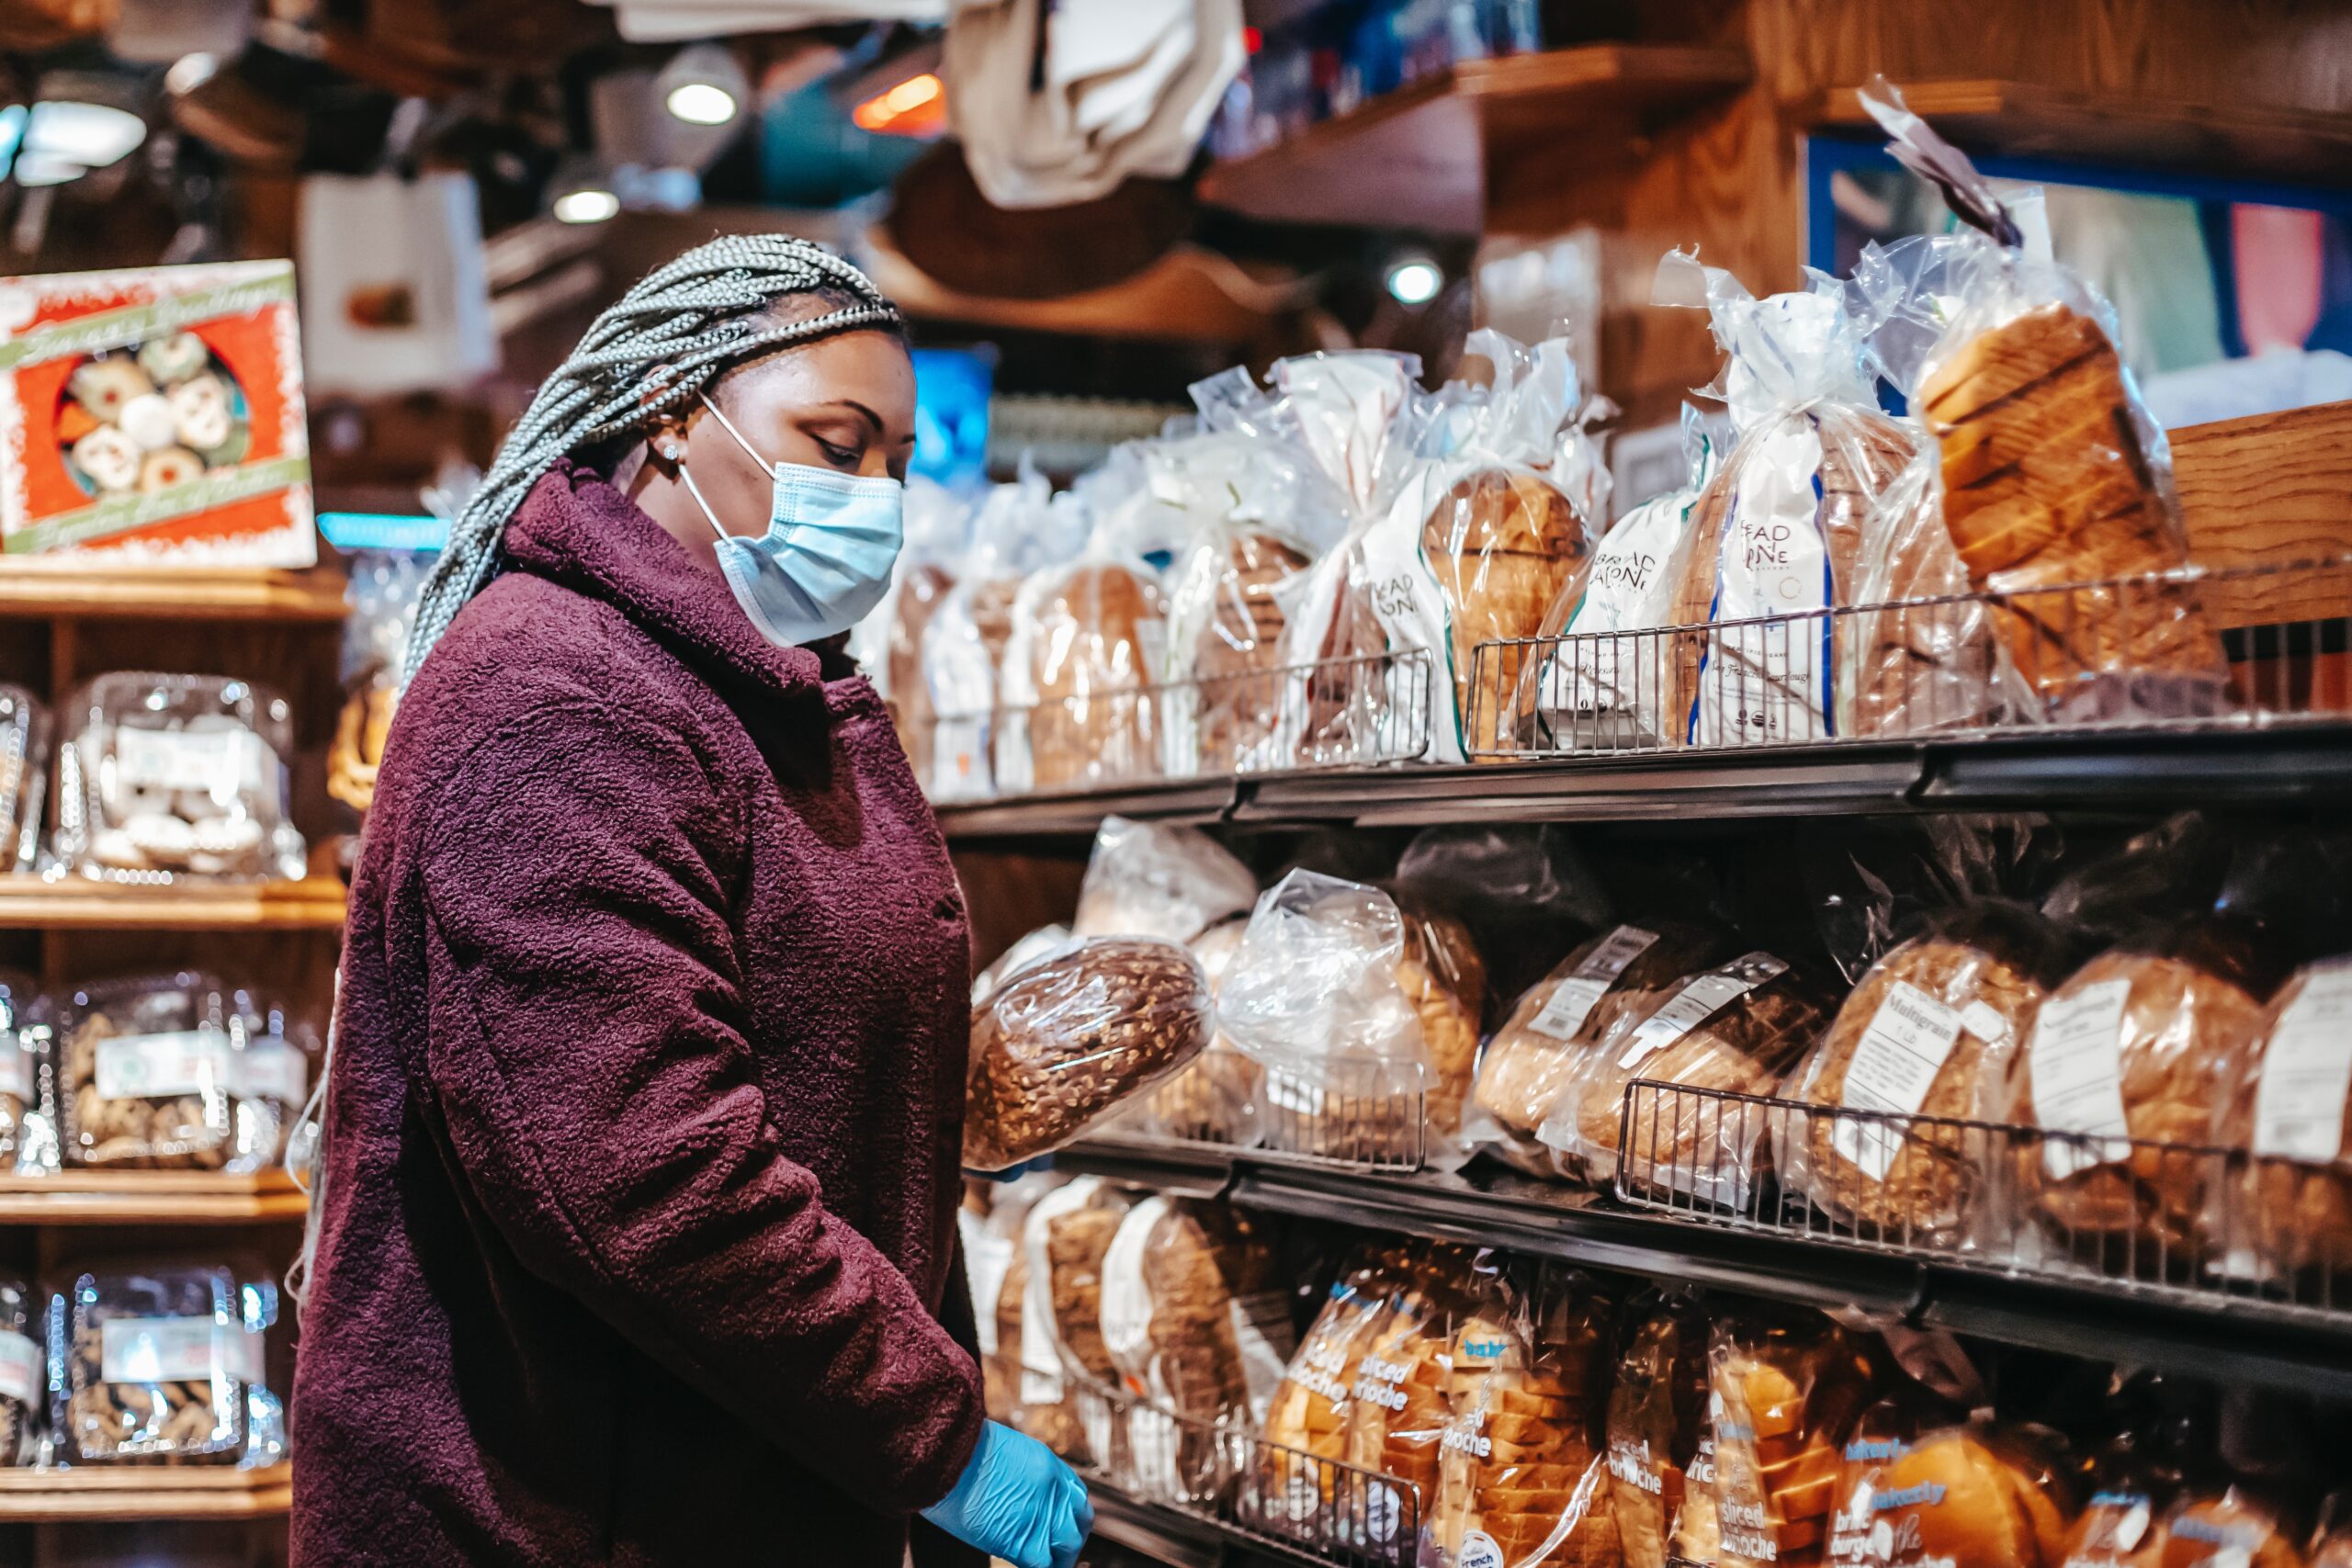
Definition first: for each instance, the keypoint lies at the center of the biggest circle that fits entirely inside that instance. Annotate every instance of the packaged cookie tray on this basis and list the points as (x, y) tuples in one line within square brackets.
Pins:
[(1230, 1475), (2268, 1233), (2094, 655), (163, 1365), (1362, 711)]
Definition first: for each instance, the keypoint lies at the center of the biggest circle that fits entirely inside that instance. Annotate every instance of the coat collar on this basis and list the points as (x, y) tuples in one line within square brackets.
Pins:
[(576, 529)]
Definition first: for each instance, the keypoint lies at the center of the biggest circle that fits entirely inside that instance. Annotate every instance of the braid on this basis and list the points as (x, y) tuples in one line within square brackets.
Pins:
[(654, 350)]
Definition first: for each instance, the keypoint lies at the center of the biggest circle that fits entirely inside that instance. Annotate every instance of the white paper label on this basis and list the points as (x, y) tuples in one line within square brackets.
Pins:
[(2079, 1076), (24, 1370), (1124, 1314), (1262, 1330), (986, 1259), (270, 1069), (160, 1066), (217, 762), (1770, 680), (167, 1350), (1573, 999), (2307, 1071), (15, 1070), (1902, 1049), (1985, 1021), (1478, 1551), (1699, 999)]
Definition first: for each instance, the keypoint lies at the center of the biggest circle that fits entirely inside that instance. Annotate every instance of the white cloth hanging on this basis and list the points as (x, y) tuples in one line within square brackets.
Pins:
[(669, 21)]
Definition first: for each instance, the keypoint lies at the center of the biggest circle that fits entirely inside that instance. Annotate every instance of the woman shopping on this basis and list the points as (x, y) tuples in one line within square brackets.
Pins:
[(635, 1221)]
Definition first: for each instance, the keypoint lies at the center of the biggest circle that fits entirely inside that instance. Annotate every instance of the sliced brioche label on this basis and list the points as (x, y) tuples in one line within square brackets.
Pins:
[(2307, 1070), (1573, 999), (1903, 1048), (2077, 1057), (1701, 997)]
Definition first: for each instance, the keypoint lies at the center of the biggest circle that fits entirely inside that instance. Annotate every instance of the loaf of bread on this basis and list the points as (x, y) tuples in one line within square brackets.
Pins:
[(357, 752), (1736, 1028), (1934, 1030), (1976, 1496), (1399, 1404), (2154, 1028), (1093, 669), (920, 589), (1445, 980), (2046, 484), (1066, 1041), (1307, 1420), (1216, 1100), (1656, 1422), (2291, 1107), (1074, 1229), (1788, 1389), (2203, 1527), (1238, 696), (1554, 1027), (1503, 544)]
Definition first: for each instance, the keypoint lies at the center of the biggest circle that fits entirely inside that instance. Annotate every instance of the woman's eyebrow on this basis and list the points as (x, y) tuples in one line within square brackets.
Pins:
[(866, 413)]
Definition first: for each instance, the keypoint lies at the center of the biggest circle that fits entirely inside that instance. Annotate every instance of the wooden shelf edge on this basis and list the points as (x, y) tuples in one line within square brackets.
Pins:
[(145, 1491), (35, 588), (78, 1198), (315, 903)]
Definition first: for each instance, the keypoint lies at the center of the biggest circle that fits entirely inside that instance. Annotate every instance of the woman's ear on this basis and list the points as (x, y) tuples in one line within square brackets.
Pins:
[(665, 441)]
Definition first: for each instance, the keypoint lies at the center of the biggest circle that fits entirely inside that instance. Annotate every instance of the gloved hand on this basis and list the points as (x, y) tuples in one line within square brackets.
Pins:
[(1016, 1501)]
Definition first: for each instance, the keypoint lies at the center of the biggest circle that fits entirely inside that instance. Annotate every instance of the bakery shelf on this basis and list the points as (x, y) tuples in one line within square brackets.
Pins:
[(2224, 1338), (149, 1198), (1418, 157), (145, 1491), (71, 903), (31, 589)]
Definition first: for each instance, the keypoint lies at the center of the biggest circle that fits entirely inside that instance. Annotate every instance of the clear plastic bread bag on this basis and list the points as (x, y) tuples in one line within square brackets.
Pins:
[(1218, 1098), (889, 642), (1259, 514), (1314, 997), (2056, 486), (1080, 685), (1496, 523), (168, 776), (1934, 1030), (387, 559), (1661, 1444), (1062, 1044), (155, 1366), (177, 1072), (1444, 978), (1358, 416), (2282, 1213), (1524, 1476), (23, 776), (1788, 1387), (1068, 1239), (1158, 880), (1559, 1021), (1981, 1492), (1307, 1423), (1016, 532), (1733, 1029), (994, 1270), (1596, 680), (1807, 508)]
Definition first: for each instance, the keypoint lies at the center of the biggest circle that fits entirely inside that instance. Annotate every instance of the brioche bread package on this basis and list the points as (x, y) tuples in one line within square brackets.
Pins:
[(1293, 1491), (1788, 1387), (2287, 1214), (1523, 1481), (1982, 1494), (1497, 523), (1658, 1427), (2205, 1526), (2053, 474)]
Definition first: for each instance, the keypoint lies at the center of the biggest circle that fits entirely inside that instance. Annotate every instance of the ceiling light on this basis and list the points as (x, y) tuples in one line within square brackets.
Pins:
[(700, 103), (1416, 281), (93, 135), (703, 84), (586, 205), (916, 106)]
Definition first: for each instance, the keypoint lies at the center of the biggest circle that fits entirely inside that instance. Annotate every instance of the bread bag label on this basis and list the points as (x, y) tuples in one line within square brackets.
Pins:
[(1572, 1000), (1262, 1330), (1702, 997), (163, 1066), (218, 762), (1903, 1048), (1769, 682), (164, 1349), (2078, 1074), (1478, 1551), (270, 1069), (1124, 1313), (23, 1369), (2307, 1071)]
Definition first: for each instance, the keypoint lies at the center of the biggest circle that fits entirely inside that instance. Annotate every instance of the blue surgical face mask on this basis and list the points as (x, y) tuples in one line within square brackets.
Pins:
[(824, 562)]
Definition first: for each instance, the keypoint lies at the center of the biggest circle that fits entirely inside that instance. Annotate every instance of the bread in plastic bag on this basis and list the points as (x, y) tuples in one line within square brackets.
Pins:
[(1735, 1028), (1445, 980), (1217, 1099), (1933, 1029), (1982, 1494), (2287, 1207), (24, 775), (1497, 521), (1316, 996), (1307, 1423), (1558, 1021), (1657, 1425), (155, 1365), (998, 1275), (1063, 1042), (1155, 880), (1042, 943), (1081, 671), (2137, 1044), (937, 521), (165, 776), (1788, 1387), (1525, 1480), (2052, 472), (2206, 1527)]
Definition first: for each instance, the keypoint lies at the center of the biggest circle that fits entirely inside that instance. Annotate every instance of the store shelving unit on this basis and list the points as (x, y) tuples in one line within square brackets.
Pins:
[(82, 1197), (33, 903), (191, 1492)]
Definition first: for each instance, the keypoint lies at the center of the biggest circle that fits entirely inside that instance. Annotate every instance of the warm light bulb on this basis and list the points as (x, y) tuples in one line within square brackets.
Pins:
[(1415, 282), (586, 205), (909, 99), (701, 102)]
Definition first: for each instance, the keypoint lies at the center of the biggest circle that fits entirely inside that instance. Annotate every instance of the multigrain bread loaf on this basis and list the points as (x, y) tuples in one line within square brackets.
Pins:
[(2046, 484), (1503, 544), (1656, 1422), (2291, 1106), (1934, 1030), (1093, 668), (1239, 701)]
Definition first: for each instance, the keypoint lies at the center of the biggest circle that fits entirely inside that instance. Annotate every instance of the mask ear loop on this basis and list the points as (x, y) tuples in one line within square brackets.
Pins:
[(695, 489)]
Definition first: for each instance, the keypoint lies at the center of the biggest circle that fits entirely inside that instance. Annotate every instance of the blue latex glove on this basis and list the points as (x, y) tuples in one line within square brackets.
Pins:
[(1016, 1501)]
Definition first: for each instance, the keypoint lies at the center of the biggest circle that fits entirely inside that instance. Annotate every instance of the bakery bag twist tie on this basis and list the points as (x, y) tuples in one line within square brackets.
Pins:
[(654, 350)]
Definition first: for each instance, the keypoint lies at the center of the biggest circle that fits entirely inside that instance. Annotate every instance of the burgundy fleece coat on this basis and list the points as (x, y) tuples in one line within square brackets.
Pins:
[(643, 1125)]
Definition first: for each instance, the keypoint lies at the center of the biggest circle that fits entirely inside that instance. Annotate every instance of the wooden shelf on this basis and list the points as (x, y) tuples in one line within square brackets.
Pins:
[(65, 588), (145, 1491), (1418, 158), (2023, 119), (149, 1198), (315, 903)]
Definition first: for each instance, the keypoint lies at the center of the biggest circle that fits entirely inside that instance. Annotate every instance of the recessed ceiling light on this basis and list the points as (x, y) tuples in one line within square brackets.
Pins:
[(701, 102), (587, 206), (1415, 282), (93, 135)]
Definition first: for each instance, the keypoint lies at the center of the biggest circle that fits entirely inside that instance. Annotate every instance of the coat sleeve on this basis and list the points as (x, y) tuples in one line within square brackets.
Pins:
[(586, 1046)]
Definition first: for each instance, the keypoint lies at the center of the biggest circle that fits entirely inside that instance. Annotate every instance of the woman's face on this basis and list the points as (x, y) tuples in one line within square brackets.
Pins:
[(845, 403)]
